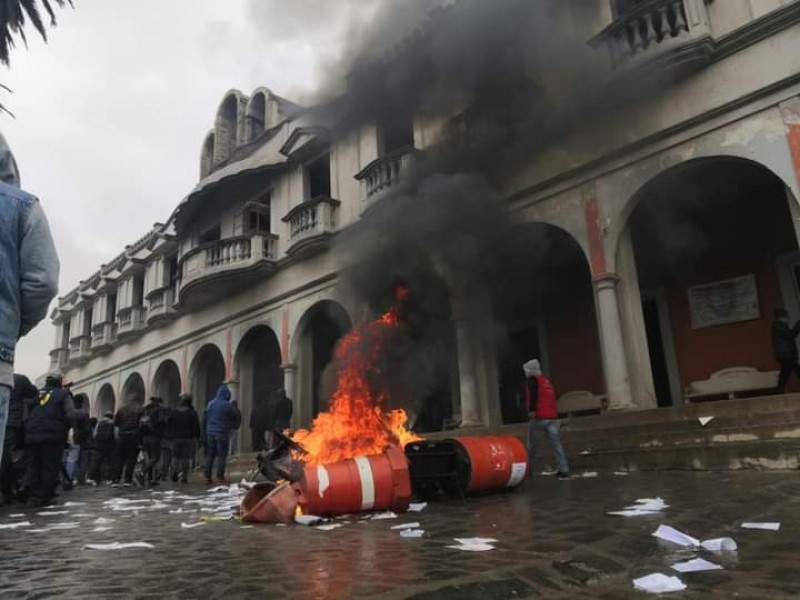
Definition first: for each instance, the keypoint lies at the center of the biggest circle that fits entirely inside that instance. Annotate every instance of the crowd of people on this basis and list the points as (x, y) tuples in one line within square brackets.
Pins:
[(51, 441)]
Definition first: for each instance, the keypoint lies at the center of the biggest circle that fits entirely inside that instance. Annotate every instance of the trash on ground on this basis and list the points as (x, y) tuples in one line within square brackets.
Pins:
[(70, 503), (632, 512), (182, 510), (413, 525), (15, 525), (768, 526), (473, 547), (719, 545), (384, 515), (118, 546), (101, 529), (309, 520), (65, 525), (328, 526), (52, 513), (102, 521), (412, 533), (588, 474), (696, 564), (621, 473), (585, 452), (643, 507), (415, 506), (475, 540), (704, 420), (192, 525), (670, 534), (658, 583)]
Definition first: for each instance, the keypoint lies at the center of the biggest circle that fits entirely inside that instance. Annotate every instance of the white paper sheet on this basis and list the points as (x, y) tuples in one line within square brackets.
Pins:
[(59, 526), (475, 540), (16, 525), (192, 525), (308, 520), (648, 504), (183, 511), (670, 534), (621, 473), (518, 471), (768, 526), (118, 546), (632, 512), (328, 526), (103, 521), (83, 515), (384, 515), (585, 452), (52, 513), (251, 526), (16, 515), (704, 420), (417, 506), (719, 545), (473, 547), (658, 583), (68, 504), (696, 564), (413, 525), (412, 534), (100, 529), (589, 474)]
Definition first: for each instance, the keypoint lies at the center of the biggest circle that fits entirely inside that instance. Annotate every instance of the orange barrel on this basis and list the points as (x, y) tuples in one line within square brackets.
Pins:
[(494, 461), (267, 502), (357, 484)]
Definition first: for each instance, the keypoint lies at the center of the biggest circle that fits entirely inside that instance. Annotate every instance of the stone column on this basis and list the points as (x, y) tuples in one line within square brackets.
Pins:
[(289, 370), (468, 385), (618, 384)]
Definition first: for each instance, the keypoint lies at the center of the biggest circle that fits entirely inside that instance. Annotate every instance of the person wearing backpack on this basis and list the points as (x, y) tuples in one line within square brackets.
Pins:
[(127, 423), (151, 428), (105, 449)]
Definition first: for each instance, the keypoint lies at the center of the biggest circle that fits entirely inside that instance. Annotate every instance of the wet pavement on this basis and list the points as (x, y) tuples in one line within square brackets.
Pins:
[(555, 540)]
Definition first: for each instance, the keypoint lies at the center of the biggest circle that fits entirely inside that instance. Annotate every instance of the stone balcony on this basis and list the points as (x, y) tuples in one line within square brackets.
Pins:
[(385, 175), (80, 350), (667, 38), (59, 358), (217, 269), (130, 321), (104, 336), (311, 225), (161, 305)]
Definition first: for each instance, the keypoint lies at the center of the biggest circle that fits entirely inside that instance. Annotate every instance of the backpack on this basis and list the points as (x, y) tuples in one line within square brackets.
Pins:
[(146, 424), (104, 434)]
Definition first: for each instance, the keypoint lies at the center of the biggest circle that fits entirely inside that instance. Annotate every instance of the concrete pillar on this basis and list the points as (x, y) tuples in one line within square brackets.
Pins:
[(467, 381), (289, 371), (618, 384), (634, 334)]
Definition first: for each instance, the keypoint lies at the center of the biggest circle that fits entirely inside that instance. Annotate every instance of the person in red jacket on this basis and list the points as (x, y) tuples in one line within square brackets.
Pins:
[(540, 397)]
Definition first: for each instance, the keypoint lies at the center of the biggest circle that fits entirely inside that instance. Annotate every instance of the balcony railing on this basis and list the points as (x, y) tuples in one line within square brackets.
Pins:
[(160, 304), (312, 222), (386, 173), (59, 358), (79, 349), (130, 321), (231, 256), (104, 336), (657, 29)]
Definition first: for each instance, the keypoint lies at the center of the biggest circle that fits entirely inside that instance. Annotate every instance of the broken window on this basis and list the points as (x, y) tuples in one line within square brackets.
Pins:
[(397, 132), (319, 177)]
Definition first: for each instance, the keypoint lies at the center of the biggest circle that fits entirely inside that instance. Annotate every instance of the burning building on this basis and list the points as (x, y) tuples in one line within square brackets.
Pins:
[(610, 186)]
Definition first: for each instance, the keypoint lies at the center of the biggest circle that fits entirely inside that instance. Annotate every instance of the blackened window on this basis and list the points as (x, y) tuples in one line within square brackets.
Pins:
[(111, 308), (319, 177), (214, 234)]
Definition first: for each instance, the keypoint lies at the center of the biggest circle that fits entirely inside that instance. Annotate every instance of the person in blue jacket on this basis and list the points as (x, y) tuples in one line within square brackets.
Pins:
[(219, 420)]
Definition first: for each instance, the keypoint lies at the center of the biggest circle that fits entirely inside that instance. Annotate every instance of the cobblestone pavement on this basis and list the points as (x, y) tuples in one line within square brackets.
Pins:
[(555, 540)]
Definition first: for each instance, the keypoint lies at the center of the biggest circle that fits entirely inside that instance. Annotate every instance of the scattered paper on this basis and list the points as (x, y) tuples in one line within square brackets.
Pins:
[(621, 473), (632, 512), (83, 515), (658, 583), (412, 533), (649, 504), (102, 521), (719, 545), (406, 526), (52, 513), (192, 525), (58, 526), (473, 547), (328, 526), (670, 534), (696, 564), (308, 520), (183, 510), (15, 525), (249, 526), (384, 515), (585, 452), (548, 473), (68, 504), (118, 546), (413, 507), (101, 529), (704, 420), (16, 515), (475, 540), (765, 526), (589, 474)]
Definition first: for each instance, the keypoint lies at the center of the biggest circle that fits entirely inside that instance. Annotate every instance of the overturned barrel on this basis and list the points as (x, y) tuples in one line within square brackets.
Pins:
[(491, 462), (364, 483)]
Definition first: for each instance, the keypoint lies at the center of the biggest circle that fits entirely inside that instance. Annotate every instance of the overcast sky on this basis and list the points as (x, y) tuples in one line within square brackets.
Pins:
[(111, 113)]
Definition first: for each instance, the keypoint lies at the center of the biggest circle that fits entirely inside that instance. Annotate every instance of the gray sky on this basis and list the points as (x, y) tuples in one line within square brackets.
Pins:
[(111, 113)]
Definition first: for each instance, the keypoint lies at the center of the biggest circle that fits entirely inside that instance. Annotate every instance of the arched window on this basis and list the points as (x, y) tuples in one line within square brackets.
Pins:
[(207, 155), (256, 116), (226, 128)]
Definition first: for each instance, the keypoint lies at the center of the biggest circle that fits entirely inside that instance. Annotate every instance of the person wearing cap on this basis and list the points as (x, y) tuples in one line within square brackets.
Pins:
[(50, 415), (540, 397), (784, 347), (28, 271)]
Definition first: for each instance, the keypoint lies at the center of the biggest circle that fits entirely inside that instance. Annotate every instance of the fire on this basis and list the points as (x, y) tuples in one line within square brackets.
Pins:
[(356, 423)]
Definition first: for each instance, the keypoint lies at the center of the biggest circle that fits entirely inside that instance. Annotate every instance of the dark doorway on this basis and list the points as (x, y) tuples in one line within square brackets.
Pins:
[(658, 356), (523, 345), (326, 330)]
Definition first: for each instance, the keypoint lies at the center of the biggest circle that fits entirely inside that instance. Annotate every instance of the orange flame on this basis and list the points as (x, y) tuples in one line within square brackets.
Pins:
[(356, 423)]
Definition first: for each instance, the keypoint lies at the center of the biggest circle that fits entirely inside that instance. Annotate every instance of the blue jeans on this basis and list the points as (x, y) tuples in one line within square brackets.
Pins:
[(72, 462), (552, 428), (5, 396), (216, 448)]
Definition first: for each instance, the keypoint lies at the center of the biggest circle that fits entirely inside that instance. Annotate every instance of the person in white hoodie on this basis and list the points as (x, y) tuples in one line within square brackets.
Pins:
[(540, 399)]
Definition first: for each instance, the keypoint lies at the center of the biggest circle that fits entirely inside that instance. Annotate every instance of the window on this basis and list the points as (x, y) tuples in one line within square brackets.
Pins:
[(210, 235), (138, 291), (65, 334), (397, 132), (173, 271), (319, 177), (111, 308), (258, 221), (87, 322)]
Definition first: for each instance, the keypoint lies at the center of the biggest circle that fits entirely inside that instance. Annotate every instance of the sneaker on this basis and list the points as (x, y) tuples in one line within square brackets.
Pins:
[(562, 475), (91, 482)]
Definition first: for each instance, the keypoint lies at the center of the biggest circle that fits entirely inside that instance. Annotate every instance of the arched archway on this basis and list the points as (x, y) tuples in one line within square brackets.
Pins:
[(258, 370), (133, 386), (207, 155), (256, 116), (227, 127), (714, 250), (106, 400), (545, 300), (318, 332), (167, 383), (206, 374)]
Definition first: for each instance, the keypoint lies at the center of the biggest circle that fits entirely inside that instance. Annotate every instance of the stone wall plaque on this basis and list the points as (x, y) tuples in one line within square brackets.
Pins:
[(721, 302)]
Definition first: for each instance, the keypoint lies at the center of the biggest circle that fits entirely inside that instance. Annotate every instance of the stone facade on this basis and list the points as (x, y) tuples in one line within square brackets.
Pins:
[(240, 284)]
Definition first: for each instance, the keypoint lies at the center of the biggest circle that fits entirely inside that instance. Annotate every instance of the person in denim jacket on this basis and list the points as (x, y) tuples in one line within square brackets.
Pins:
[(28, 271)]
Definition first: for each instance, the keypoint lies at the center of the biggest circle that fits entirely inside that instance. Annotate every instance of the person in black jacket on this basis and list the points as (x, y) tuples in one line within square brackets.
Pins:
[(260, 422), (152, 430), (127, 423), (23, 390), (183, 428), (784, 347), (49, 418)]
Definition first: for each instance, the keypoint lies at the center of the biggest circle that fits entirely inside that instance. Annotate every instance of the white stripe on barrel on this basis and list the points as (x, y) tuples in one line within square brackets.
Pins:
[(367, 482)]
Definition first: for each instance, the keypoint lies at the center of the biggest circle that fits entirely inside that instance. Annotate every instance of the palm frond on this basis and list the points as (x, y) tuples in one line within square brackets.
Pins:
[(13, 16)]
